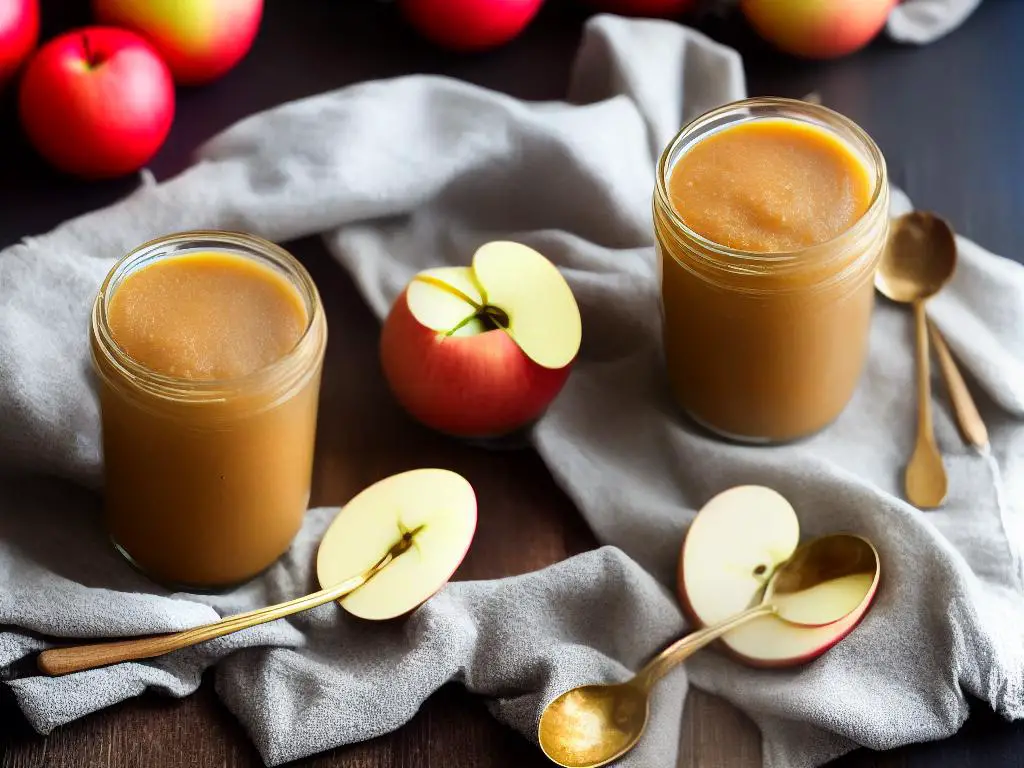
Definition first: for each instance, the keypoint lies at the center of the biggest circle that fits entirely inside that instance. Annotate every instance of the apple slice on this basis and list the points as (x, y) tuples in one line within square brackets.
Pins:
[(439, 505), (512, 287), (731, 550)]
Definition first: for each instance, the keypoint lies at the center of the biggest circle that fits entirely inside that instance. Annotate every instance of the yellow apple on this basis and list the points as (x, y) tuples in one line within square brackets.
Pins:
[(731, 550), (437, 505), (818, 29), (481, 351)]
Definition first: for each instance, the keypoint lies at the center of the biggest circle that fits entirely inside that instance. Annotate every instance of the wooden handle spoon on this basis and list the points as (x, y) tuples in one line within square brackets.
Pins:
[(971, 425)]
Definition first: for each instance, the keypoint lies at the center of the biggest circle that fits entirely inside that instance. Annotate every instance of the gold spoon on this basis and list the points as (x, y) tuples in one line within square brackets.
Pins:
[(824, 581), (971, 425), (920, 258), (62, 661), (432, 510)]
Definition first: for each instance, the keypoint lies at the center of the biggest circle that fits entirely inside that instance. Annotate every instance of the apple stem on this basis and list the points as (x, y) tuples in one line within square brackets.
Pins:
[(90, 59)]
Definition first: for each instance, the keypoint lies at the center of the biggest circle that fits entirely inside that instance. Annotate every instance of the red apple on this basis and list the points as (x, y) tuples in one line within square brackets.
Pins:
[(481, 351), (818, 29), (199, 39), (664, 9), (469, 25), (97, 102), (19, 33)]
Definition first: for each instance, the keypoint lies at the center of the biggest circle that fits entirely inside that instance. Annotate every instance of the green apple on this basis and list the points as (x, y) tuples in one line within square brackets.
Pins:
[(437, 506)]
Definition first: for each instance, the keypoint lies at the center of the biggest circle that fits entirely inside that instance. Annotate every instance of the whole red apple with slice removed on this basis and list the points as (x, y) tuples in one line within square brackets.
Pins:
[(481, 351), (731, 549), (437, 506)]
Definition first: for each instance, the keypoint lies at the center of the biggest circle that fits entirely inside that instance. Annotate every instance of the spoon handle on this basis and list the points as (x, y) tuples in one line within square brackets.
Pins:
[(971, 424), (685, 647), (62, 661)]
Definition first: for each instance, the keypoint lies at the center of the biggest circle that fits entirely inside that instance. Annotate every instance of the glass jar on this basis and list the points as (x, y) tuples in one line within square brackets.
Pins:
[(206, 482), (767, 347)]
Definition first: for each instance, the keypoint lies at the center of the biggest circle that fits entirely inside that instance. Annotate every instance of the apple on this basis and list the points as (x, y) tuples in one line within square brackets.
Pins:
[(199, 39), (665, 9), (97, 102), (481, 351), (818, 29), (19, 33), (437, 505), (730, 551), (469, 25)]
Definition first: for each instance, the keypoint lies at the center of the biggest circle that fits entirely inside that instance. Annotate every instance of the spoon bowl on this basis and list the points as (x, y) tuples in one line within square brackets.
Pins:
[(918, 260), (824, 581)]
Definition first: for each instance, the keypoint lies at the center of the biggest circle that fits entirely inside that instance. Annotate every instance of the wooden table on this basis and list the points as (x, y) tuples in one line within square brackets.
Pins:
[(949, 122)]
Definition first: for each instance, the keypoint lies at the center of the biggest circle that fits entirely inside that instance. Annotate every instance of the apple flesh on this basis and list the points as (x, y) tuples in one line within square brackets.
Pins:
[(481, 351), (438, 505), (97, 102), (19, 33), (469, 25), (731, 550), (818, 29), (201, 40)]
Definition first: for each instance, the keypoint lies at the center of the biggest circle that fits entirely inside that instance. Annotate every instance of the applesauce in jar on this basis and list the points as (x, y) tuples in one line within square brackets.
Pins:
[(208, 349), (770, 216)]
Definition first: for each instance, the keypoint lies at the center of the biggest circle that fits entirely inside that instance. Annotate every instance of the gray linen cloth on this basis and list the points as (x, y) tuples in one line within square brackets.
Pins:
[(418, 171)]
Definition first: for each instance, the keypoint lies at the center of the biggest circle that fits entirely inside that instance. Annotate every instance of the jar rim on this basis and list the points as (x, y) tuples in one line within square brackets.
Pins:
[(164, 246), (742, 256)]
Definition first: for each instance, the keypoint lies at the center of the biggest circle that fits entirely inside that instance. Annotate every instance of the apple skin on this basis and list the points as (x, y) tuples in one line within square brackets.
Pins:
[(19, 33), (201, 40), (97, 102), (655, 9), (818, 29), (469, 26), (832, 634), (481, 386)]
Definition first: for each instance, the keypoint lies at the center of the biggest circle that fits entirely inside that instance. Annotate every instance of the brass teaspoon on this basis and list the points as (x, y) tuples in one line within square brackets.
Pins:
[(824, 581), (422, 519), (920, 258), (62, 661)]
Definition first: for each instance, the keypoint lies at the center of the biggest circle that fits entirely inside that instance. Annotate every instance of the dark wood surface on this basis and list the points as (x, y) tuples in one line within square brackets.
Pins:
[(949, 118)]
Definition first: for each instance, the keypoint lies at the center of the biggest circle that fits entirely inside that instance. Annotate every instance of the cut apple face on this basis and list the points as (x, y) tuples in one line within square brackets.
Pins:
[(510, 287), (731, 551), (438, 505)]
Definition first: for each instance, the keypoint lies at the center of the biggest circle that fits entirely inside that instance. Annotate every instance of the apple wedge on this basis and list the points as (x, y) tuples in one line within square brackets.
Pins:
[(731, 550), (438, 505), (481, 351)]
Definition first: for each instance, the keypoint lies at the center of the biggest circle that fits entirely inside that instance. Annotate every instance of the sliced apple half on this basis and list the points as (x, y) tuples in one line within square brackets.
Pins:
[(731, 550), (437, 504), (510, 287)]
